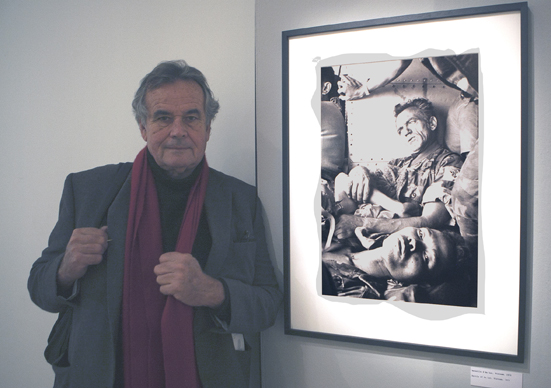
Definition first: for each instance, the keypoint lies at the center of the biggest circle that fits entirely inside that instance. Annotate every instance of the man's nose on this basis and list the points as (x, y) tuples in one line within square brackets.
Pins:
[(412, 244), (178, 128)]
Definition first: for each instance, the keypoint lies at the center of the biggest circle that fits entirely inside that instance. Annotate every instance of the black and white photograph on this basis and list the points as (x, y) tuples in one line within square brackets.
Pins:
[(399, 179), (404, 147)]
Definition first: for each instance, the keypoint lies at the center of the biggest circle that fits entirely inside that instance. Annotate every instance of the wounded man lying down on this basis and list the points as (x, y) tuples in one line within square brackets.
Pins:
[(413, 264)]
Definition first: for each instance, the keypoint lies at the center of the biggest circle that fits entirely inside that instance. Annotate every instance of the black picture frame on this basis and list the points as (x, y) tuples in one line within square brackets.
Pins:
[(495, 328)]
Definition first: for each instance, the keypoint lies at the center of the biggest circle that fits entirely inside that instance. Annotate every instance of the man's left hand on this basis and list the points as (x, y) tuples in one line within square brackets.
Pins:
[(180, 275), (347, 225)]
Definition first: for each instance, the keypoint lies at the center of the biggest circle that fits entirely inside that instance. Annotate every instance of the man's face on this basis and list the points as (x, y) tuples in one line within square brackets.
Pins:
[(176, 129), (413, 128), (416, 254)]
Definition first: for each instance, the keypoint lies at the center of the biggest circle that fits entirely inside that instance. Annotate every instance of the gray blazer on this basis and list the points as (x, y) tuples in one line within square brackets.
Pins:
[(238, 255)]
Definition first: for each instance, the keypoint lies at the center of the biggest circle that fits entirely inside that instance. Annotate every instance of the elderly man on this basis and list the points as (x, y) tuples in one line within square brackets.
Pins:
[(417, 188), (159, 269)]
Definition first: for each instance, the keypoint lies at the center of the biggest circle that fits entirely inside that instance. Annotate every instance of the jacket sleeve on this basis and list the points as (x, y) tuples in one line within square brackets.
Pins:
[(254, 304), (84, 203), (42, 283)]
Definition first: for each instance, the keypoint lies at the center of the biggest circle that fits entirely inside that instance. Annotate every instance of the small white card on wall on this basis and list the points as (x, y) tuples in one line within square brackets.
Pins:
[(492, 378)]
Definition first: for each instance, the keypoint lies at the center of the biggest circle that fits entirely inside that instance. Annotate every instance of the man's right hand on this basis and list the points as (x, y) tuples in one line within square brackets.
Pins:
[(86, 247), (351, 89), (359, 186)]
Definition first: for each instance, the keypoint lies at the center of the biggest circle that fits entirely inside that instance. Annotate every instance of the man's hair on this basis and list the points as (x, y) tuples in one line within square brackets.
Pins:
[(327, 75), (425, 108), (462, 253), (168, 73)]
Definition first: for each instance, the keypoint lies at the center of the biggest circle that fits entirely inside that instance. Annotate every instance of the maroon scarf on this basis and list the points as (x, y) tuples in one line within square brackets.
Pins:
[(158, 344)]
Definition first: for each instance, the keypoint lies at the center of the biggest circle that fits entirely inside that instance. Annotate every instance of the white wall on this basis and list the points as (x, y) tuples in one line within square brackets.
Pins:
[(290, 361), (68, 72)]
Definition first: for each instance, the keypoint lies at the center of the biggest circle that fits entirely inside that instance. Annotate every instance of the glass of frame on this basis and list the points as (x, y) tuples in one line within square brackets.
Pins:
[(471, 65)]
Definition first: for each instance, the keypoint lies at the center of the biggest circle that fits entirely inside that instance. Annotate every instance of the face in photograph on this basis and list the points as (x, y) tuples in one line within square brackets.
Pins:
[(415, 129), (417, 254)]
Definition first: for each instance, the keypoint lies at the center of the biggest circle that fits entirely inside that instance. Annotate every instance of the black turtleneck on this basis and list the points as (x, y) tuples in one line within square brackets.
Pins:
[(173, 195)]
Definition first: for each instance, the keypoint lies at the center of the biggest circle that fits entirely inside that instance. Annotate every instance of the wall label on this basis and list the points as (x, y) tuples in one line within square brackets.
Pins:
[(493, 378)]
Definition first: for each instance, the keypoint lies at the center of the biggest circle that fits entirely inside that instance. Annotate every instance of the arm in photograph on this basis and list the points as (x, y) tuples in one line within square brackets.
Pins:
[(353, 89), (434, 215), (401, 209)]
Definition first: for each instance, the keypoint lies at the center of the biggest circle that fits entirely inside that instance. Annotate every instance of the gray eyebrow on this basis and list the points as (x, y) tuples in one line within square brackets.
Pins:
[(194, 111), (161, 113)]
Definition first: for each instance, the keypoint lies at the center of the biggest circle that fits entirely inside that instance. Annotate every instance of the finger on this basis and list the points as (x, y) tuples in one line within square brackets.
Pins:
[(168, 289), (88, 237), (76, 248), (174, 257), (355, 83), (164, 290), (349, 185), (92, 259), (162, 269), (163, 279), (84, 260), (158, 270), (91, 231), (91, 248), (366, 191), (360, 192), (354, 190)]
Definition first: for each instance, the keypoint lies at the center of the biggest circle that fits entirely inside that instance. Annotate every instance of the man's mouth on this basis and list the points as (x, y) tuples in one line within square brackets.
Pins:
[(402, 246), (176, 147)]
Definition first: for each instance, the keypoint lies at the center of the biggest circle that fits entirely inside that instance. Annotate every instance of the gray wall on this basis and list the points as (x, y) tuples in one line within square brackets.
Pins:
[(290, 361), (68, 72)]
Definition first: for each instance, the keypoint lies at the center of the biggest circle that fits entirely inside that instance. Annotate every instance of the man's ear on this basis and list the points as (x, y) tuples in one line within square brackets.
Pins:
[(143, 131), (326, 88), (433, 122)]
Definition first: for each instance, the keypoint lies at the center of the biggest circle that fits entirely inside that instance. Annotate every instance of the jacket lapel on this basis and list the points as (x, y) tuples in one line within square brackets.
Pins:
[(117, 219), (218, 205)]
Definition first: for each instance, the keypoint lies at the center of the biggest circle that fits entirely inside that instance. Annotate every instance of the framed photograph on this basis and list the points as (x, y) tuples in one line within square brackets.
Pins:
[(405, 181)]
